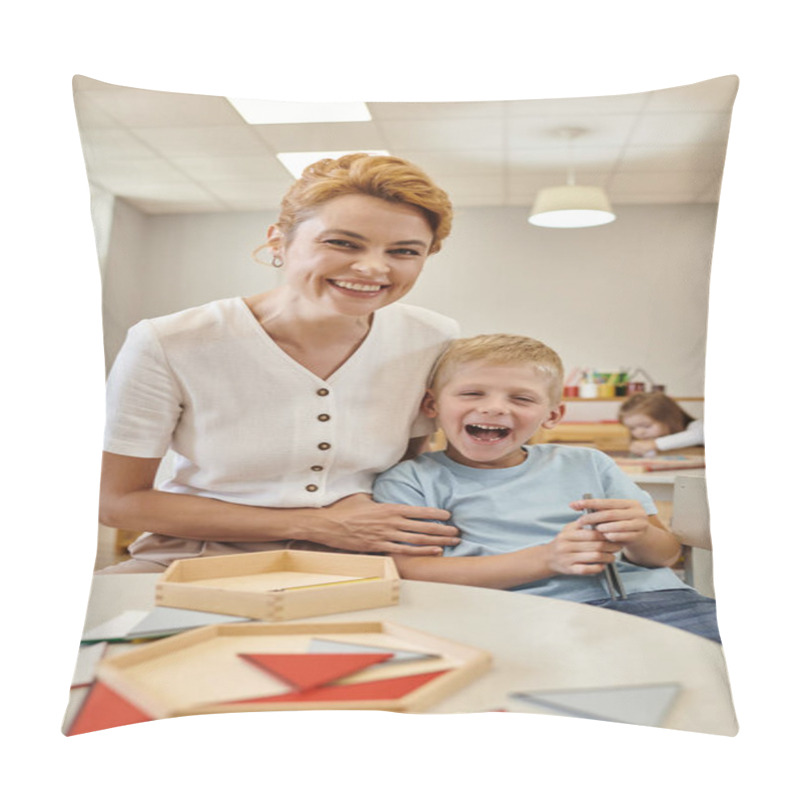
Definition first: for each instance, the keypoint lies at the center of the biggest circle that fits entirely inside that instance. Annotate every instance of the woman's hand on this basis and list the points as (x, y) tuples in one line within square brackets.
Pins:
[(359, 523), (643, 447), (578, 550)]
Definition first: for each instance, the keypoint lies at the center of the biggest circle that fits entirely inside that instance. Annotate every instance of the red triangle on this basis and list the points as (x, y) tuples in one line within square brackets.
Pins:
[(308, 670), (104, 708), (389, 689)]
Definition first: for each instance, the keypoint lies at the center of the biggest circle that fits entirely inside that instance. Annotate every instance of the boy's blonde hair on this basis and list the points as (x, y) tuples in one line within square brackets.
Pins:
[(500, 348), (658, 407), (385, 177)]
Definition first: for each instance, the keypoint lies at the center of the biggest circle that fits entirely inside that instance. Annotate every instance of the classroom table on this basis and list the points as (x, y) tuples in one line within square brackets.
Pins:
[(660, 484), (536, 643)]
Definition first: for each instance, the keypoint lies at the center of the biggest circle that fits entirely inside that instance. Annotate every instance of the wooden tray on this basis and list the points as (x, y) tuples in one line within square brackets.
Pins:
[(279, 585), (201, 672)]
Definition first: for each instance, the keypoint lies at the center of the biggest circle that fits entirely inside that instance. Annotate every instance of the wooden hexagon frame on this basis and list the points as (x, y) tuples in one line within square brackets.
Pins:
[(278, 585), (200, 671)]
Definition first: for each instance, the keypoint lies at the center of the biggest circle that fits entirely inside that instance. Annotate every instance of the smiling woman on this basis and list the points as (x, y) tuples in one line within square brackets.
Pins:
[(268, 401), (355, 255)]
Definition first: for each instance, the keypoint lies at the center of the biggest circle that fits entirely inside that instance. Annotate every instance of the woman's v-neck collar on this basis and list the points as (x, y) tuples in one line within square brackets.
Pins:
[(355, 356)]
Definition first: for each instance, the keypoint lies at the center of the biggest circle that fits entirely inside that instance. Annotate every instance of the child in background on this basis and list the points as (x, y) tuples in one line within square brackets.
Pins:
[(516, 506), (657, 423)]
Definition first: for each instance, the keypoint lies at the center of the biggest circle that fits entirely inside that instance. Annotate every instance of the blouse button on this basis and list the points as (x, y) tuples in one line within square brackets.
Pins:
[(317, 468), (324, 446), (324, 417), (323, 392), (311, 487)]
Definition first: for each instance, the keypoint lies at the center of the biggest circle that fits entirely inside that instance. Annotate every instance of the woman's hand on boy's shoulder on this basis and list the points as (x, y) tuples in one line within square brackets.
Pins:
[(358, 523)]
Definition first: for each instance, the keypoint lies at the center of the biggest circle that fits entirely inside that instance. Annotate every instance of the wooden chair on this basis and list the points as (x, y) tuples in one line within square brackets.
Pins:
[(690, 522)]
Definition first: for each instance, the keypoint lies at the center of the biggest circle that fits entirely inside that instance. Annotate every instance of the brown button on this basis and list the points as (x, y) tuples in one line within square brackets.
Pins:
[(324, 417), (323, 392), (317, 468), (324, 446), (311, 488)]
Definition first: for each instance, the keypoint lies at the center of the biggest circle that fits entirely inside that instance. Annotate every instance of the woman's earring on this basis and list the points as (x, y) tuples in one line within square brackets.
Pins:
[(276, 262)]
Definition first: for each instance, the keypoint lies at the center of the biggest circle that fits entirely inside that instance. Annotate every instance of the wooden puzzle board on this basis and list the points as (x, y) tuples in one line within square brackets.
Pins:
[(200, 669), (212, 672)]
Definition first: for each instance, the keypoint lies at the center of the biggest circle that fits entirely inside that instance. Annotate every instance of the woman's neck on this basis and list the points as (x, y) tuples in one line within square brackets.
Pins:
[(320, 341)]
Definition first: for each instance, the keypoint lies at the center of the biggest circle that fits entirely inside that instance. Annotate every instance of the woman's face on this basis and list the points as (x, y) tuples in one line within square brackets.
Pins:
[(356, 254)]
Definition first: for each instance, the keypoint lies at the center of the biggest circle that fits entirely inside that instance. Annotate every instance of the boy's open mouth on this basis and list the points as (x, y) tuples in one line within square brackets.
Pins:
[(488, 433)]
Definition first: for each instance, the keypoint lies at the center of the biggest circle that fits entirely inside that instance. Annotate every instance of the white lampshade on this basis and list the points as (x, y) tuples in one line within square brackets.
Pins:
[(571, 207)]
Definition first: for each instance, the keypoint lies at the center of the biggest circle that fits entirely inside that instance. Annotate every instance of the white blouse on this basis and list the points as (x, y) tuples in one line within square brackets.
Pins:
[(250, 425)]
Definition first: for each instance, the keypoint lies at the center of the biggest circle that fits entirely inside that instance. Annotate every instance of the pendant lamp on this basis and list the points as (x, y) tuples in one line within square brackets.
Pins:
[(571, 205)]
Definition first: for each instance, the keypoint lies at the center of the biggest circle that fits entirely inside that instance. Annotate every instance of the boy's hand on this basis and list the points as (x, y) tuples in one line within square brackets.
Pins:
[(619, 521), (580, 551)]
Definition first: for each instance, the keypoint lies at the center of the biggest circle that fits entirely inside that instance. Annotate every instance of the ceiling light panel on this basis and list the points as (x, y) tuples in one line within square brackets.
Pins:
[(277, 112), (297, 162)]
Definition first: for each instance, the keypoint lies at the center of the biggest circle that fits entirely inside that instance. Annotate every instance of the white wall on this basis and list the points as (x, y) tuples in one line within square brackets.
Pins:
[(125, 296), (633, 293)]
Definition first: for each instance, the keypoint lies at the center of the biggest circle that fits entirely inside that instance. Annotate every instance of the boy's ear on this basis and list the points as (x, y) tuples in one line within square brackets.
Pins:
[(428, 406), (555, 416)]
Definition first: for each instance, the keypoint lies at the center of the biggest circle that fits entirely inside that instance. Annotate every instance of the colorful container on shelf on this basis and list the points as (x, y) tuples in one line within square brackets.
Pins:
[(592, 385)]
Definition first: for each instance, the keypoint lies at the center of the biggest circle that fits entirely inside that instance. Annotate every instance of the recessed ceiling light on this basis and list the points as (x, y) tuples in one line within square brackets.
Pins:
[(297, 162), (274, 112)]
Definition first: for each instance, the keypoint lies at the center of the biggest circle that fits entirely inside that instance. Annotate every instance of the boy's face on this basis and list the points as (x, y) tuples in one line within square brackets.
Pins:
[(488, 411)]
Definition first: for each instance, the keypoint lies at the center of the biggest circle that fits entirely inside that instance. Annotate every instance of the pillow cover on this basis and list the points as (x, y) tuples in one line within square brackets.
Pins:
[(183, 191)]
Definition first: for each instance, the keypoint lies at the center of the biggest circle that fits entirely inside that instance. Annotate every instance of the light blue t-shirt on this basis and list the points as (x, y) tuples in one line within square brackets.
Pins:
[(502, 510)]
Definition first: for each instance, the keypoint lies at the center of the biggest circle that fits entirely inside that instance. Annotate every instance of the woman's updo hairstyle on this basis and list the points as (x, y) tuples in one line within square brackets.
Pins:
[(385, 177)]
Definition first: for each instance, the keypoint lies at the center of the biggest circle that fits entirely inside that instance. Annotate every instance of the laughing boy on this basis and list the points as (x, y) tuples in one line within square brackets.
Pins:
[(517, 507)]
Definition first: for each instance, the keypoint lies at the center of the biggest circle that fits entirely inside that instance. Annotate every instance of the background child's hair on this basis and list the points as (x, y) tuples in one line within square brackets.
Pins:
[(658, 407), (501, 348)]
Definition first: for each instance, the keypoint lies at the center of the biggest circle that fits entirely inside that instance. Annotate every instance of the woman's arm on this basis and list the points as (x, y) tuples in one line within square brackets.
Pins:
[(128, 500)]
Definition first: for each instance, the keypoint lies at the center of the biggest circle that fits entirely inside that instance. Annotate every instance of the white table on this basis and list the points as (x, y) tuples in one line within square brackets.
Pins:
[(660, 484), (536, 644)]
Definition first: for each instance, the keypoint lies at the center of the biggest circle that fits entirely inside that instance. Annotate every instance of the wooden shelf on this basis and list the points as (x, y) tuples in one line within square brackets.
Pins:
[(622, 399)]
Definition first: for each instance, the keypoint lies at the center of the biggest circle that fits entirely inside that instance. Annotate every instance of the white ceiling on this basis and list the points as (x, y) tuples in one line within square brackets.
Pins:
[(181, 153)]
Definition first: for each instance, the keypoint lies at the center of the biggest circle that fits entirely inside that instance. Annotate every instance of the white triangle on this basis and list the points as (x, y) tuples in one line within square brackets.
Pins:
[(635, 705), (164, 620), (333, 646), (114, 628)]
